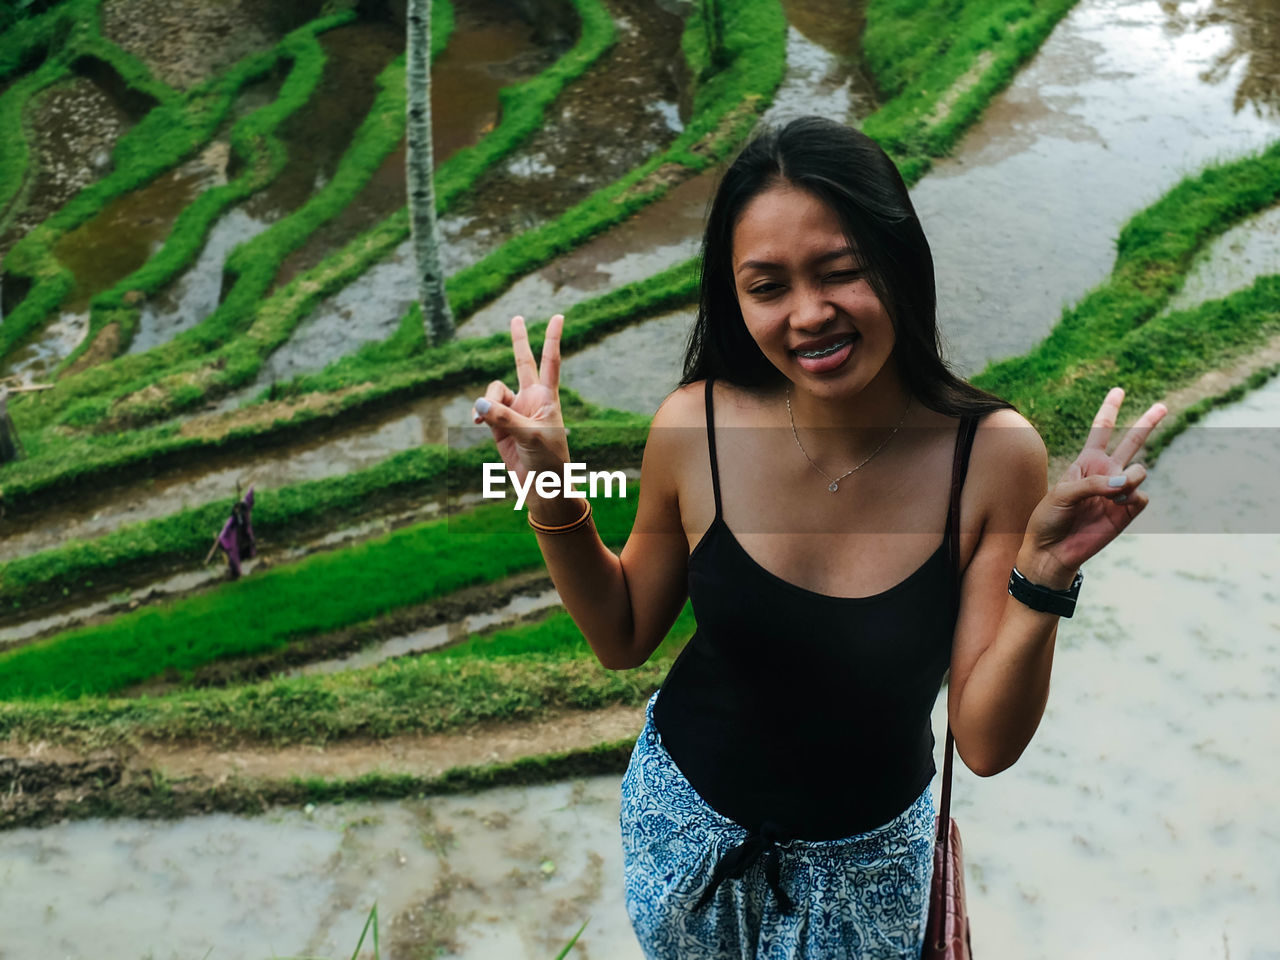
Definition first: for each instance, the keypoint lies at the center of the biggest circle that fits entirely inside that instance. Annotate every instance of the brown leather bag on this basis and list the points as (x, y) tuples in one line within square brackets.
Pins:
[(947, 930)]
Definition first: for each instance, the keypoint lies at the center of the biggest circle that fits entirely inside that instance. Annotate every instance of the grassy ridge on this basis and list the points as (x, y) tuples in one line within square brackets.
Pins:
[(518, 675), (318, 594), (938, 63), (156, 796)]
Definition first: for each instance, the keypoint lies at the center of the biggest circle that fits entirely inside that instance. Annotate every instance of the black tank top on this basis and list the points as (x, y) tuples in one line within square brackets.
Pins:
[(802, 711)]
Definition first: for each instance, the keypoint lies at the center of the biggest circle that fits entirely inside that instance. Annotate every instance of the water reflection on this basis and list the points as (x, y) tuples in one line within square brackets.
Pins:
[(1251, 60)]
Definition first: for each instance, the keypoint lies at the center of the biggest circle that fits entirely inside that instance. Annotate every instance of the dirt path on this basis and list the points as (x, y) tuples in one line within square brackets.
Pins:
[(42, 783)]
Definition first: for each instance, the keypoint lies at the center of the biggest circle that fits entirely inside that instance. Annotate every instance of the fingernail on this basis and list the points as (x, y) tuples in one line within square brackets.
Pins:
[(482, 406), (1117, 481), (1122, 498)]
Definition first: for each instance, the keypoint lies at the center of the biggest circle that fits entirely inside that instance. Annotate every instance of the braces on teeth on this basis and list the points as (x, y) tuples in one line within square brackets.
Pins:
[(827, 351)]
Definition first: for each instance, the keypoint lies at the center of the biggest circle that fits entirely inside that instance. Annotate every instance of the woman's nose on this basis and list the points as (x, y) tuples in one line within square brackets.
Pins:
[(813, 308)]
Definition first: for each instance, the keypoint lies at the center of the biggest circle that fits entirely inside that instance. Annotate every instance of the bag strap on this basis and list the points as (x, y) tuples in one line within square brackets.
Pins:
[(964, 440)]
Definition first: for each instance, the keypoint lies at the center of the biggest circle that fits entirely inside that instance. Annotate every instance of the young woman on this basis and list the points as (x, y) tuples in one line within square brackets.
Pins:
[(796, 487)]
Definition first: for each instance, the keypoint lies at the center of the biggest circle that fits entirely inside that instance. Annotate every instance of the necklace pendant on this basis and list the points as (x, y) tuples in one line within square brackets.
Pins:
[(834, 486)]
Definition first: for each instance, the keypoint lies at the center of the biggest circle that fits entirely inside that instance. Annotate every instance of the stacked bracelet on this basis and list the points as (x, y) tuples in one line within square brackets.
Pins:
[(564, 527)]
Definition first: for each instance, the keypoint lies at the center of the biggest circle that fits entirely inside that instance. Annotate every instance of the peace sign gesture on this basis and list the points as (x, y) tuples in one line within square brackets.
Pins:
[(527, 426), (1098, 495)]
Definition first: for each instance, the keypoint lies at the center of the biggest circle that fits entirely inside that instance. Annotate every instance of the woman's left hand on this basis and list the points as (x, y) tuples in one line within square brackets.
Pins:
[(1083, 512)]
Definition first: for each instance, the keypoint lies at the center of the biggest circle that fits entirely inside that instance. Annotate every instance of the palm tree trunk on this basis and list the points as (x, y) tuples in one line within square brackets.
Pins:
[(437, 317)]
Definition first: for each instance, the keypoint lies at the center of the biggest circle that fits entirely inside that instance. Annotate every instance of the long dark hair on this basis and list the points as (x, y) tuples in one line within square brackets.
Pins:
[(847, 171)]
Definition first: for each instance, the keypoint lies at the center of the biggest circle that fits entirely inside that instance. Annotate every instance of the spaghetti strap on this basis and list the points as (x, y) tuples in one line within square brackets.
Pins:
[(959, 469), (711, 446)]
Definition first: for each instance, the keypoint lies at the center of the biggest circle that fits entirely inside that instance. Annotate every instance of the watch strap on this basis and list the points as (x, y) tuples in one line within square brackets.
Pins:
[(1045, 599)]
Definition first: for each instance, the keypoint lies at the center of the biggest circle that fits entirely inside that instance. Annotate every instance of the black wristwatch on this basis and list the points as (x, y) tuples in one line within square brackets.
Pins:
[(1044, 599)]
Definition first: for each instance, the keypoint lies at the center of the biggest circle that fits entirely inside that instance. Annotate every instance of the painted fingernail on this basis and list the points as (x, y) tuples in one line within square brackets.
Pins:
[(1117, 481), (482, 406), (1122, 498)]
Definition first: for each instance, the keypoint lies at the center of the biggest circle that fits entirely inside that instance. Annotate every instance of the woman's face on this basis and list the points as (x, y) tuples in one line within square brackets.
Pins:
[(804, 295)]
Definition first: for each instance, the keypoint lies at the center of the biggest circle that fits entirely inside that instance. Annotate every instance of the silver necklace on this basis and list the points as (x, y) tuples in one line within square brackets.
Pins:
[(834, 485)]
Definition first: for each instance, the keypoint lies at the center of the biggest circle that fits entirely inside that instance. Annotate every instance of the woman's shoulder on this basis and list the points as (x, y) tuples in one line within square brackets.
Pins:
[(686, 406)]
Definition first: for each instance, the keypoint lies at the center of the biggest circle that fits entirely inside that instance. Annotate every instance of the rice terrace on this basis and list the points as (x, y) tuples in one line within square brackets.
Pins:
[(213, 345)]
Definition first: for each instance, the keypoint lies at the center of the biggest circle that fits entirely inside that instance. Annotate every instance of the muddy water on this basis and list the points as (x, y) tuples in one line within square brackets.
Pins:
[(1145, 802), (69, 149), (184, 42), (511, 873), (822, 77), (1125, 98), (609, 121), (1232, 261), (108, 247), (355, 447)]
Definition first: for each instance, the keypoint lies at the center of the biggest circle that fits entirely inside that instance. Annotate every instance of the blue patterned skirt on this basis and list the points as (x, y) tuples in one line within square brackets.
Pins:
[(864, 896)]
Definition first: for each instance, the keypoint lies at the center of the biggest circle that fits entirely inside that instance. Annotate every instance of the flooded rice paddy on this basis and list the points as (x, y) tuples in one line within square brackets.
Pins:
[(1145, 801), (818, 79), (1123, 100), (108, 247)]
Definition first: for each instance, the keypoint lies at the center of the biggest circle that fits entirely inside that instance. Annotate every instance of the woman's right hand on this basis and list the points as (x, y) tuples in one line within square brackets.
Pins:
[(527, 426)]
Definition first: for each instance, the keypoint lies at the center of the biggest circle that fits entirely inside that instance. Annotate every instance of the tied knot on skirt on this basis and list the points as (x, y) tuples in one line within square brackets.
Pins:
[(767, 841)]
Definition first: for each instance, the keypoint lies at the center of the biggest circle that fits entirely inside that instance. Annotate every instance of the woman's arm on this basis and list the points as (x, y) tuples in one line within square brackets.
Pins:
[(1003, 650), (624, 605)]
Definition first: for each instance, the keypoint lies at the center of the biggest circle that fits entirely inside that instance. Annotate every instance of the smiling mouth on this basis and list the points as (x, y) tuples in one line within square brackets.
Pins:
[(828, 350)]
